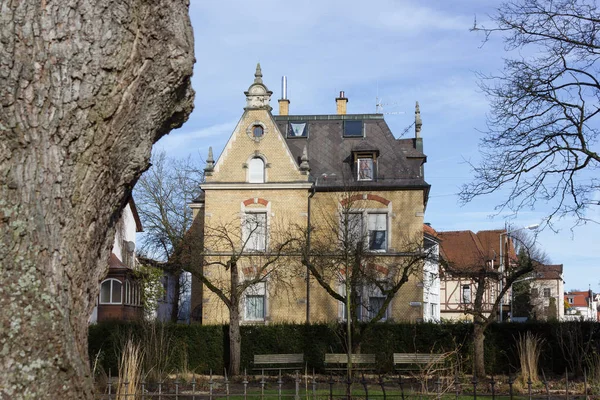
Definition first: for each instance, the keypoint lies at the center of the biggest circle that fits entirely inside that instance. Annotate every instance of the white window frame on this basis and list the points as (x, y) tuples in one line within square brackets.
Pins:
[(249, 243), (364, 228), (257, 290), (365, 313), (359, 169), (112, 281), (253, 165), (463, 298)]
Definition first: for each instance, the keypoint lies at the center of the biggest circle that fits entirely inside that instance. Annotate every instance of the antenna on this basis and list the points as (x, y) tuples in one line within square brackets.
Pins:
[(379, 104)]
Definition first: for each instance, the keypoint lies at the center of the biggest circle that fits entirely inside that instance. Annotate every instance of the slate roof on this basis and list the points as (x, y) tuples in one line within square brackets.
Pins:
[(548, 271), (399, 161)]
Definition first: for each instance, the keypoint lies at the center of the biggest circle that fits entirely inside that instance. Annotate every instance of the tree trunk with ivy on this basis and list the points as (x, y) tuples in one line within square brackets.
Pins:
[(86, 88)]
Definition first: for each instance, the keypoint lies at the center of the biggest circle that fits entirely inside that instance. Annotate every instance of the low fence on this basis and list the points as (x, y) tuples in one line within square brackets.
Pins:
[(313, 387)]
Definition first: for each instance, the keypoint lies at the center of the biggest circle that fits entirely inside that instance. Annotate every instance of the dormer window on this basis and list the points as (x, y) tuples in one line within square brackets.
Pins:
[(256, 170), (364, 167), (353, 129), (258, 131)]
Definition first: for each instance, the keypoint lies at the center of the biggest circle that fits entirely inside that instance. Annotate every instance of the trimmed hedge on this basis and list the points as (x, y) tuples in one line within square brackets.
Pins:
[(202, 348)]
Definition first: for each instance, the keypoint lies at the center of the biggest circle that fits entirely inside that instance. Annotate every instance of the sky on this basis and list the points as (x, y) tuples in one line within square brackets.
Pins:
[(396, 51)]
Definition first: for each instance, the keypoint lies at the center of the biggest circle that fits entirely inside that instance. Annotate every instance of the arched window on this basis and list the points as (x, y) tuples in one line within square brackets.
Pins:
[(111, 292), (256, 170)]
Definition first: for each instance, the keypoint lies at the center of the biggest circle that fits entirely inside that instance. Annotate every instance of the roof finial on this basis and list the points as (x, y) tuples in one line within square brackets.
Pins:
[(418, 122), (258, 74), (304, 166), (210, 163)]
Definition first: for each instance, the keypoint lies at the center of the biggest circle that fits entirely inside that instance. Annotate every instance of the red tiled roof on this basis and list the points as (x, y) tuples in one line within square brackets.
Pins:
[(114, 262), (467, 251), (462, 250), (428, 230), (580, 298)]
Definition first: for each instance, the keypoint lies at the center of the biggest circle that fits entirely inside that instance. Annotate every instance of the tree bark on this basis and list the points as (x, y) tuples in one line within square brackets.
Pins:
[(478, 350), (235, 340), (86, 88), (235, 337)]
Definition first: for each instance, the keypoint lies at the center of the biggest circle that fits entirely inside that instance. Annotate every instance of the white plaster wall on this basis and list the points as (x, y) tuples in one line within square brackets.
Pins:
[(431, 287)]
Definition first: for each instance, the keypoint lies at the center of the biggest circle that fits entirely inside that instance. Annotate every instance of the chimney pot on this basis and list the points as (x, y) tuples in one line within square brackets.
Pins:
[(341, 103)]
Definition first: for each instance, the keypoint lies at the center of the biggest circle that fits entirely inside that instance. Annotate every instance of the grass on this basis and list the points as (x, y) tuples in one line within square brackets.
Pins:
[(529, 347)]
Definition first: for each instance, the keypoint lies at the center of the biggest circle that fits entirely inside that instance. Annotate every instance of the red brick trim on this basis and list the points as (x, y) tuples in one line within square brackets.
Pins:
[(372, 197), (258, 201)]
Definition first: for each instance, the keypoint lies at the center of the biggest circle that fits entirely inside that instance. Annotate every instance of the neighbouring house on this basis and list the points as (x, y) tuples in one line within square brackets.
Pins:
[(332, 172), (431, 275), (581, 306), (121, 292), (465, 255), (547, 289)]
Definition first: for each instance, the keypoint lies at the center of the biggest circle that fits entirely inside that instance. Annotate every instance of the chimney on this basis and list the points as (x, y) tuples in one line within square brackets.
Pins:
[(341, 103), (284, 103)]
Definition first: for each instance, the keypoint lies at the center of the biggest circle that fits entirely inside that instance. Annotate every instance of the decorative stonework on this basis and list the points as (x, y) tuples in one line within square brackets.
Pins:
[(250, 131), (257, 95)]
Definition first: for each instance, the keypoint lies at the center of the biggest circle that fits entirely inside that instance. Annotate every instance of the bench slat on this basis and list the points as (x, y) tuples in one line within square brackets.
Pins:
[(417, 358), (278, 358), (356, 358)]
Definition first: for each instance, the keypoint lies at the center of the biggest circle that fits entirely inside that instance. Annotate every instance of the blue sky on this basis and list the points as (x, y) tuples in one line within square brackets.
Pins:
[(399, 51)]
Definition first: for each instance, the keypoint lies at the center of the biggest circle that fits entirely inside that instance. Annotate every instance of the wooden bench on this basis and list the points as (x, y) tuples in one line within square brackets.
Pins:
[(417, 360), (339, 362), (276, 362)]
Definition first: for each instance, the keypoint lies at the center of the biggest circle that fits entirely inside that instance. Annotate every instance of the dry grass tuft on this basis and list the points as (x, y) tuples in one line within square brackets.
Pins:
[(130, 373), (529, 347)]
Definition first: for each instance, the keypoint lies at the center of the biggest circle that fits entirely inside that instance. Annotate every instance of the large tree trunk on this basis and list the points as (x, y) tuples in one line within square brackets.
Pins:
[(176, 296), (86, 88), (235, 340), (478, 350), (235, 337)]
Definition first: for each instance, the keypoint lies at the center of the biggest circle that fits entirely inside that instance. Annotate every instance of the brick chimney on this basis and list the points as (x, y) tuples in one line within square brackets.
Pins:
[(284, 103), (341, 103)]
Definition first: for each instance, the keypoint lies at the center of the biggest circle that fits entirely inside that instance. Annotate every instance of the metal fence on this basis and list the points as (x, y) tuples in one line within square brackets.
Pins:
[(312, 387)]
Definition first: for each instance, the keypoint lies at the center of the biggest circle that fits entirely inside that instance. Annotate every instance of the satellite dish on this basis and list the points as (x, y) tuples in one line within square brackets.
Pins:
[(130, 246)]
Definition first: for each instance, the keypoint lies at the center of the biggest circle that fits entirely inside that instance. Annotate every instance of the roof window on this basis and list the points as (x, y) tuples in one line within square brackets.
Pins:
[(353, 129), (297, 130)]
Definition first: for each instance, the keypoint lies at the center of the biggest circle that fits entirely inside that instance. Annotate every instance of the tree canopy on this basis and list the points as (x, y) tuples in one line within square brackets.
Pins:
[(541, 141)]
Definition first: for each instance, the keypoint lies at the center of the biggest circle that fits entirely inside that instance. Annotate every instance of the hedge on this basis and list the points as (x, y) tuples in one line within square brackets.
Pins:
[(202, 348)]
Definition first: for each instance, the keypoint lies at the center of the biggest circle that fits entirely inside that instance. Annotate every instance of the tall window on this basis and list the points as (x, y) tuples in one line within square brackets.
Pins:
[(466, 294), (111, 292), (255, 302), (255, 231), (547, 292), (370, 229), (375, 304), (377, 226), (256, 170)]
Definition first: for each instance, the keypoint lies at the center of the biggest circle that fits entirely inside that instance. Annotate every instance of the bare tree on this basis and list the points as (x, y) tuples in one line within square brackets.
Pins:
[(542, 135), (355, 265), (162, 195), (86, 88), (243, 258), (492, 282)]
